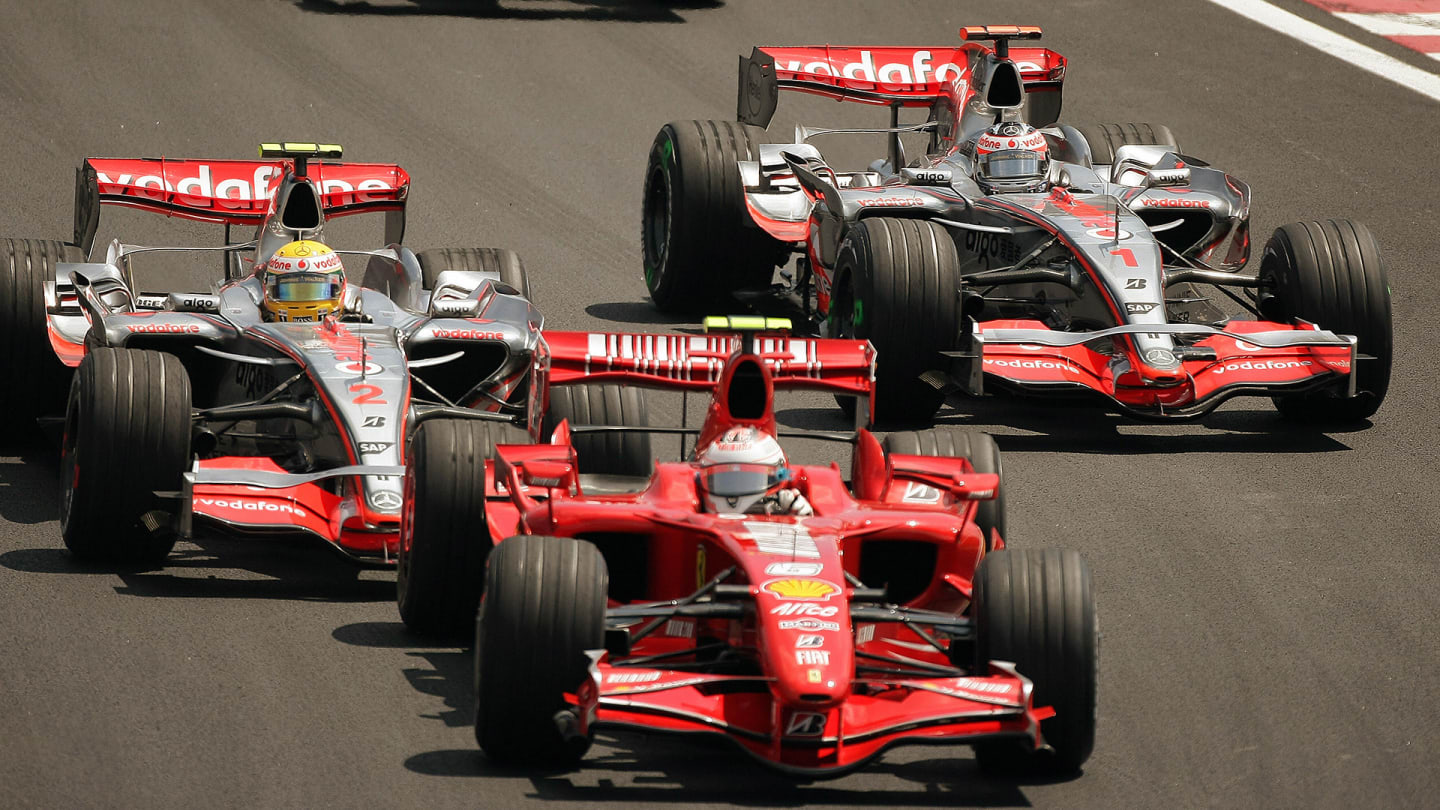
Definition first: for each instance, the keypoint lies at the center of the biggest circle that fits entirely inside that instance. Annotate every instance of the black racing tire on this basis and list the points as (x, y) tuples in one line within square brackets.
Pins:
[(898, 285), (604, 404), (1036, 608), (698, 241), (1104, 139), (1332, 274), (440, 568), (127, 436), (544, 607), (41, 381), (979, 448), (505, 262)]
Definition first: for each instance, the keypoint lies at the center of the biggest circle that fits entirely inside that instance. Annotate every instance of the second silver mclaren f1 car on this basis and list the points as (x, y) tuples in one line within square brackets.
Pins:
[(1013, 252)]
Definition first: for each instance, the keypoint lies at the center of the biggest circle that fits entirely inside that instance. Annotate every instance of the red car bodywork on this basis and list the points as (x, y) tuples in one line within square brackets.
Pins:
[(835, 676)]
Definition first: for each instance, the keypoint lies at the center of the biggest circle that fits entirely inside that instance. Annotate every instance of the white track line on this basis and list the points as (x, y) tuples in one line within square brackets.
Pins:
[(1321, 38)]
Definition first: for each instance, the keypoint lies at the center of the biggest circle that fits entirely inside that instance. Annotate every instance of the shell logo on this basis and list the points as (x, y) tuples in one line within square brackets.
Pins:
[(801, 588)]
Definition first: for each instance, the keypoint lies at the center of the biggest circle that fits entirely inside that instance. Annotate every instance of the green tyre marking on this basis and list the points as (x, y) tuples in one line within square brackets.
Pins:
[(858, 313)]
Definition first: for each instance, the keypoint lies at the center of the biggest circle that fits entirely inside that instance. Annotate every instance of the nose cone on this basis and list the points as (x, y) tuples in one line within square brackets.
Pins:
[(805, 634)]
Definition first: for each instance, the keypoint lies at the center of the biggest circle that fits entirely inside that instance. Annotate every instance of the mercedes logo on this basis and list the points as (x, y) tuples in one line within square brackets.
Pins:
[(385, 500)]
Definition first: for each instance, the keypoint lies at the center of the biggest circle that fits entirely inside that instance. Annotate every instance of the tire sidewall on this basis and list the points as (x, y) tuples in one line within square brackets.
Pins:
[(659, 276)]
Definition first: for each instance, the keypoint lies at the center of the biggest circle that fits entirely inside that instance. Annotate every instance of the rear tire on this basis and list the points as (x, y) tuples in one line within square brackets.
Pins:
[(544, 607), (506, 263), (979, 448), (127, 436), (1036, 608), (698, 241), (444, 539), (1104, 139), (898, 285), (41, 381), (1331, 273), (604, 404)]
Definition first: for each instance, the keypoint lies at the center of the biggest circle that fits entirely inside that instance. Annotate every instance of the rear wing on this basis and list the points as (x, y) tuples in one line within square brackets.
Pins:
[(695, 362), (233, 192), (906, 77)]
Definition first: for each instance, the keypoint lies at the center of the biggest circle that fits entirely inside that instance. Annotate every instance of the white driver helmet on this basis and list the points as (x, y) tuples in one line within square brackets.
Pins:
[(741, 470), (1011, 156)]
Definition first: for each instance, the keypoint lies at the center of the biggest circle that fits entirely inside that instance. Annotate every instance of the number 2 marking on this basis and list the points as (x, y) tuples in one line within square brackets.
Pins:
[(366, 394)]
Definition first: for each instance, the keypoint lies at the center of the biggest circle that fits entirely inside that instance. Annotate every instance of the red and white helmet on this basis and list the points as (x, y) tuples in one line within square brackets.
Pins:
[(741, 470), (1011, 156)]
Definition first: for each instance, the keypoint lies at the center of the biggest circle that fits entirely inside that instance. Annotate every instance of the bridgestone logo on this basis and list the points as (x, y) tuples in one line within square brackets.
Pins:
[(1262, 365), (253, 506)]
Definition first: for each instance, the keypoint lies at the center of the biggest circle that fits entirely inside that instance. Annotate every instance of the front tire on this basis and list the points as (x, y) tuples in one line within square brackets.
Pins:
[(698, 242), (626, 454), (1331, 273), (127, 436), (544, 607), (981, 451), (1104, 139), (899, 286), (501, 261), (444, 539), (42, 381), (1036, 608)]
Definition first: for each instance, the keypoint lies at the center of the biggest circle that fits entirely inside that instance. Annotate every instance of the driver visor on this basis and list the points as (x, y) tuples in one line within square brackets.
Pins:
[(1012, 165), (733, 480), (291, 287)]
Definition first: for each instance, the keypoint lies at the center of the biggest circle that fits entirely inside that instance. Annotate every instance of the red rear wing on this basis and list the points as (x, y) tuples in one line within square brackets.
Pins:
[(690, 362), (909, 76), (914, 76), (235, 192)]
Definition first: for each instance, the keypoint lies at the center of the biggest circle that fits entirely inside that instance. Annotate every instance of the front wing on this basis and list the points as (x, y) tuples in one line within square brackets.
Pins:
[(254, 496), (805, 741), (1238, 358)]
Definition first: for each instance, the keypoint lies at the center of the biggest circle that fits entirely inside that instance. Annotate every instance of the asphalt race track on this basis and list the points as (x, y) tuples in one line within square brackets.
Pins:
[(1269, 596)]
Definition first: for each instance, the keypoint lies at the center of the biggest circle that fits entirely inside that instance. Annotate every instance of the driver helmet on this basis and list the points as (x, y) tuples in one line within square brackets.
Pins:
[(741, 472), (1011, 156), (304, 281)]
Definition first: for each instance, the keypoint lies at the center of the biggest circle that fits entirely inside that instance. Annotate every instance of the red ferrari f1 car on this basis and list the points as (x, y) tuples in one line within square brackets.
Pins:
[(814, 617)]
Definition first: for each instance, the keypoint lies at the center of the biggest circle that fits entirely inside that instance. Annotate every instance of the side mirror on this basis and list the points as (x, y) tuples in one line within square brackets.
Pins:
[(1133, 162), (548, 474)]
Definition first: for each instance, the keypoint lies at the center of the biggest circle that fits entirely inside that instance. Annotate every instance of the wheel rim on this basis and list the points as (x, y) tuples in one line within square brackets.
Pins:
[(656, 223)]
